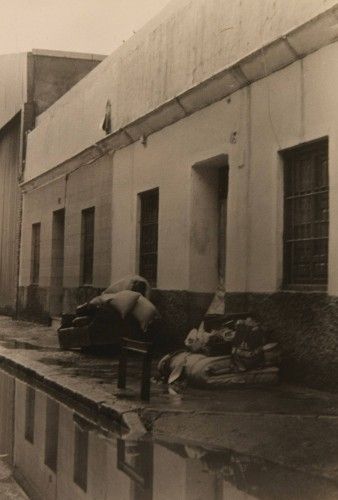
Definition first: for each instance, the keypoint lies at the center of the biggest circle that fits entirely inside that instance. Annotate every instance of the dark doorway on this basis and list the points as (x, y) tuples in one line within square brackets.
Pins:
[(208, 224)]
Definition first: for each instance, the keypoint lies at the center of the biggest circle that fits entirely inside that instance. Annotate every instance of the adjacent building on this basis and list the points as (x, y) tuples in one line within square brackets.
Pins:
[(201, 154), (29, 84)]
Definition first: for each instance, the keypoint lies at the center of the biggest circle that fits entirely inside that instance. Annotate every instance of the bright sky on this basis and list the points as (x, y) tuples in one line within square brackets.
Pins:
[(94, 26)]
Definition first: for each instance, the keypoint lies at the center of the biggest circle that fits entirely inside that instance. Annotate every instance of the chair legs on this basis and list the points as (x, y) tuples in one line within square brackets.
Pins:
[(145, 350)]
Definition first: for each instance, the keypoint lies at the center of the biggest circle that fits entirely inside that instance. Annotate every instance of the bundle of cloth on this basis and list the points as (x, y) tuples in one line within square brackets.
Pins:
[(123, 309), (226, 350)]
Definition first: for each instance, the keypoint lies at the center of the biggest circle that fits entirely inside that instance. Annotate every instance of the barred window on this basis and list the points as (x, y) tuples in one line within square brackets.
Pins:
[(149, 235), (306, 216), (87, 245), (35, 262)]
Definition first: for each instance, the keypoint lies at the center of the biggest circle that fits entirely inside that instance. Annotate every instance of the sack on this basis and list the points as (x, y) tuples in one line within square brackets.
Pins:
[(144, 311), (134, 283), (123, 302), (102, 299)]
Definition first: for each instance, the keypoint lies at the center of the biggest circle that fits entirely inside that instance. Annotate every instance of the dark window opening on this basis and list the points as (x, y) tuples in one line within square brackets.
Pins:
[(30, 414), (223, 181), (35, 263), (87, 245), (56, 282), (306, 216), (149, 235), (52, 434)]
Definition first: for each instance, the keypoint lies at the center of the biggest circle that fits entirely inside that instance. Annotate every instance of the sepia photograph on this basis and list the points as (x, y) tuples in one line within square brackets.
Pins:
[(168, 250)]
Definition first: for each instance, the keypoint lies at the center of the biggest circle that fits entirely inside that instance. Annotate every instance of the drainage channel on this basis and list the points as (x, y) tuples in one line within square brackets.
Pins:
[(56, 452)]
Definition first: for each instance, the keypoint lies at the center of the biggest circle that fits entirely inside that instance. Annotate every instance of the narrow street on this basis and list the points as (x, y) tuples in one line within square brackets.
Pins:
[(285, 425)]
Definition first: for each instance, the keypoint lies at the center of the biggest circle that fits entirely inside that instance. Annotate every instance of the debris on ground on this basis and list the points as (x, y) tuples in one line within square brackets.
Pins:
[(226, 350)]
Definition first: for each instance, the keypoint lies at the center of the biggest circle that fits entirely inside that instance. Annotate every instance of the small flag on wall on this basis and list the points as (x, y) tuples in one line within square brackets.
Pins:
[(106, 124)]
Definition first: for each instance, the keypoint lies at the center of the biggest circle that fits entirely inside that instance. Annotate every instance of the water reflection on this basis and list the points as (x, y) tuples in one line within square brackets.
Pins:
[(190, 472), (66, 456)]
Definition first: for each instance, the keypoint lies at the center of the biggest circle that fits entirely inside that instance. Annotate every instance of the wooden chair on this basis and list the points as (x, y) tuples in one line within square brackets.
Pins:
[(145, 349)]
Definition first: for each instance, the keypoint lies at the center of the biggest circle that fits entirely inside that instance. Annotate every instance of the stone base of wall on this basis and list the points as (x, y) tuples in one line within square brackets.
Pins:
[(33, 304), (34, 301), (73, 297), (7, 311), (305, 325), (180, 310)]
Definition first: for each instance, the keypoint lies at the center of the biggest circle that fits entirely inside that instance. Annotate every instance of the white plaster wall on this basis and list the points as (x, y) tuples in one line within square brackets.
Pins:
[(293, 106), (183, 46), (38, 207), (166, 162), (89, 186)]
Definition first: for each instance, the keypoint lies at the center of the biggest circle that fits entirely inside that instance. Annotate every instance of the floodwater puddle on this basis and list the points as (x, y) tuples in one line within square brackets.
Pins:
[(26, 345), (60, 454)]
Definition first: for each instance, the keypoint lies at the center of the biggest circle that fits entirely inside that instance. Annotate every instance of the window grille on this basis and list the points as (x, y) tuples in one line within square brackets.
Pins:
[(87, 244), (35, 269), (306, 216), (149, 235)]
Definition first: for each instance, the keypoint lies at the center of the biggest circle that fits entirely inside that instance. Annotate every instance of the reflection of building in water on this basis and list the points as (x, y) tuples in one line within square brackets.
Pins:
[(84, 464), (59, 455), (176, 476), (196, 473), (135, 459)]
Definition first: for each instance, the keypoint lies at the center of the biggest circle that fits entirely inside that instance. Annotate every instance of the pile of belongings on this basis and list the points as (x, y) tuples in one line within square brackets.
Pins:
[(122, 310), (226, 350)]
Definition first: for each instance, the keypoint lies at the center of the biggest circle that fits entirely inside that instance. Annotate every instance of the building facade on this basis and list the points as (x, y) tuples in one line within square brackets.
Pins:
[(219, 171), (29, 84)]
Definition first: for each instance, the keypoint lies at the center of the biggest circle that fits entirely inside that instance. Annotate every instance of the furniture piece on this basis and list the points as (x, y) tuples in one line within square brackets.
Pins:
[(105, 328), (145, 349)]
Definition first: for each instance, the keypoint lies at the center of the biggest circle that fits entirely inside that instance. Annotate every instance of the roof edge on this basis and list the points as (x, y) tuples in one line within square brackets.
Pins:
[(66, 54), (270, 58)]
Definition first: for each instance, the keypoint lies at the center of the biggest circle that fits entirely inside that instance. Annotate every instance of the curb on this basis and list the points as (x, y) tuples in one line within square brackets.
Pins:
[(101, 413)]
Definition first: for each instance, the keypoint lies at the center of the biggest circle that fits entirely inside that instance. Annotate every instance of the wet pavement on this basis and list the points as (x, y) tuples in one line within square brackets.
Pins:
[(90, 461), (286, 426)]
